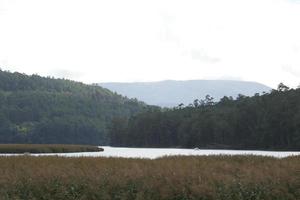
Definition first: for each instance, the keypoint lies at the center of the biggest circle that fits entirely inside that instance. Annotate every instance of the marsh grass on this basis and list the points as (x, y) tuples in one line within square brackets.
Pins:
[(46, 148), (169, 178)]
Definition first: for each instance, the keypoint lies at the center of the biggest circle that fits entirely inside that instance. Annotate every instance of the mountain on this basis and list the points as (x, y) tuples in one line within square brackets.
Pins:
[(171, 93), (34, 109)]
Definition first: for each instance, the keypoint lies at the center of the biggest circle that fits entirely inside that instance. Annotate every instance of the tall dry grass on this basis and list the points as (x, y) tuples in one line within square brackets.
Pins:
[(178, 178)]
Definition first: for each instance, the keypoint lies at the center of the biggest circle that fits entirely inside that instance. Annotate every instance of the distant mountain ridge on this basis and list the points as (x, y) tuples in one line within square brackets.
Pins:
[(170, 93)]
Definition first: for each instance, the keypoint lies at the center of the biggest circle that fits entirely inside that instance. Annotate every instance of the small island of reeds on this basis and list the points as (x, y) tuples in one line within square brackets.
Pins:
[(46, 148)]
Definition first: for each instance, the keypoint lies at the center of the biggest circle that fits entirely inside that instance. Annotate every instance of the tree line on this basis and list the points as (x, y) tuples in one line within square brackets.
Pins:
[(269, 121), (34, 109)]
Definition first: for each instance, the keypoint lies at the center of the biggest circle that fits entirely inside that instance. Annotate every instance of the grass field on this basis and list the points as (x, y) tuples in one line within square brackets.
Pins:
[(169, 178), (46, 148)]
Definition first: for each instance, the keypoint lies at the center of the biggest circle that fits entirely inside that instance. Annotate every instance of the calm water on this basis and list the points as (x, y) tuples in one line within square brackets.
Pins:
[(158, 152)]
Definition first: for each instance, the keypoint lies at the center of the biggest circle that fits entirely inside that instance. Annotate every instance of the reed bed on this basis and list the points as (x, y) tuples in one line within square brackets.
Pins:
[(46, 148), (168, 178)]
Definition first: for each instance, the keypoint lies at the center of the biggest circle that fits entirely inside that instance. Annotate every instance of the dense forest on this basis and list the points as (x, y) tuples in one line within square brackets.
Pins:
[(266, 121), (35, 109)]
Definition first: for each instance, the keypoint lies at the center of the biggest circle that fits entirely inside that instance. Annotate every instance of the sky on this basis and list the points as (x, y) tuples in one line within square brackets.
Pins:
[(140, 40)]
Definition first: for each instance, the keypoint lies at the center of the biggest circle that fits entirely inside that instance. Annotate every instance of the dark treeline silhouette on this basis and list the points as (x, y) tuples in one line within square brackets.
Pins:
[(267, 121), (34, 109)]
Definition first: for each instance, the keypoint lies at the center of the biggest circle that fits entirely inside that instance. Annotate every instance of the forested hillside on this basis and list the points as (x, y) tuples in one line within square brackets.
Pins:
[(268, 121), (34, 109)]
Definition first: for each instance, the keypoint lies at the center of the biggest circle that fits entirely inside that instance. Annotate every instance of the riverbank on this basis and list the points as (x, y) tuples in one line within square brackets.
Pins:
[(46, 148), (168, 178)]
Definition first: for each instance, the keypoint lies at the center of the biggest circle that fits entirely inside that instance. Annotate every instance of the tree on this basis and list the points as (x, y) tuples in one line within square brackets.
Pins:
[(269, 121), (117, 130), (282, 88), (209, 101), (180, 106), (196, 103), (48, 110)]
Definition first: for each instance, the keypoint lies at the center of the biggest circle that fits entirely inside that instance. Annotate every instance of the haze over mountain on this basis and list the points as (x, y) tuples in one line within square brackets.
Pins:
[(170, 93)]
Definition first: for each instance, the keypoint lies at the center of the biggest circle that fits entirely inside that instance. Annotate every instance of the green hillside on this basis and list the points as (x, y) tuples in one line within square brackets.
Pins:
[(35, 109), (270, 121)]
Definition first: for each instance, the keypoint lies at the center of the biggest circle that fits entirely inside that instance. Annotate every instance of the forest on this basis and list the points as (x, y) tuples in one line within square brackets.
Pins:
[(34, 109), (268, 121)]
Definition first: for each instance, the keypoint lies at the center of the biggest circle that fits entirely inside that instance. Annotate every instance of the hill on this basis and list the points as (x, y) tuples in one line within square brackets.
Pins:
[(171, 93), (35, 109), (269, 122)]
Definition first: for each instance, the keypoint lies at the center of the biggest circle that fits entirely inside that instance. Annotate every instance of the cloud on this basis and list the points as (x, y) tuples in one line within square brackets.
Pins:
[(294, 1), (152, 40), (169, 35), (293, 70), (231, 78), (296, 49), (201, 55), (64, 73), (224, 77)]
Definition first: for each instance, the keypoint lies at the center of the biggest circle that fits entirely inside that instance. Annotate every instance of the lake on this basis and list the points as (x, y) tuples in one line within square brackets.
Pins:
[(153, 153)]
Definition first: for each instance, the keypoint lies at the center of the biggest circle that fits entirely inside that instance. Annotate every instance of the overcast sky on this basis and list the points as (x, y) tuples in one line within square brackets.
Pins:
[(151, 40)]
